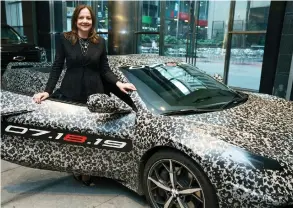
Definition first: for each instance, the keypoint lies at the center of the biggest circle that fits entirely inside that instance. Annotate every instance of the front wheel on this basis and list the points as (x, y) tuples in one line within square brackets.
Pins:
[(173, 180)]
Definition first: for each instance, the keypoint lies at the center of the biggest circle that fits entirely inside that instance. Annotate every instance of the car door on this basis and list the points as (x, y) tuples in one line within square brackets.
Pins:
[(65, 136)]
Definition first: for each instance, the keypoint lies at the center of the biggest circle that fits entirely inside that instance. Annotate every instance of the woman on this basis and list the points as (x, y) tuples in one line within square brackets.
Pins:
[(86, 61)]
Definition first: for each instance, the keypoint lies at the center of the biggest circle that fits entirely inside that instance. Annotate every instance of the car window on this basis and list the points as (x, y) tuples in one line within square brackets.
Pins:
[(9, 35), (188, 75), (177, 87)]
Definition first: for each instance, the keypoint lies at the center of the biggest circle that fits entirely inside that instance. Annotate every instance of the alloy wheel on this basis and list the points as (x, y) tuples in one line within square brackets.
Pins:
[(172, 185)]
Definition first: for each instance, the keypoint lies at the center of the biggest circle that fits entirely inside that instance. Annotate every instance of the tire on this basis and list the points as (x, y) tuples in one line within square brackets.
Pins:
[(157, 197)]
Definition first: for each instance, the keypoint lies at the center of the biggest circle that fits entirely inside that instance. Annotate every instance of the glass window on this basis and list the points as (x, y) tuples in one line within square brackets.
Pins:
[(212, 35), (148, 43), (177, 22), (8, 35), (247, 49), (150, 20), (102, 16), (246, 61), (148, 23), (177, 87), (14, 15), (251, 15), (70, 6)]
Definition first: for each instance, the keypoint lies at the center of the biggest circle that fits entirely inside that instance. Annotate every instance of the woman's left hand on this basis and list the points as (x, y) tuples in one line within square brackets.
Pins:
[(125, 87)]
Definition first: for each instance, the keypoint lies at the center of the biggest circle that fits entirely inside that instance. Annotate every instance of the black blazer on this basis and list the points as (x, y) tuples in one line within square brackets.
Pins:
[(85, 74)]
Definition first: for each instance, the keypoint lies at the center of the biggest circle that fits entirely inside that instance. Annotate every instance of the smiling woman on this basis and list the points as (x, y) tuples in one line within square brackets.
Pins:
[(88, 71), (84, 20), (82, 25), (82, 77)]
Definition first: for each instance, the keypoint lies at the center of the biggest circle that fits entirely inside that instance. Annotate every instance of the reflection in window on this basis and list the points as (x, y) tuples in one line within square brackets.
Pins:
[(251, 15), (211, 51), (248, 49), (9, 36), (14, 15), (187, 78), (210, 35), (150, 16), (70, 6), (164, 87), (102, 17), (246, 61), (177, 22), (150, 22), (148, 43)]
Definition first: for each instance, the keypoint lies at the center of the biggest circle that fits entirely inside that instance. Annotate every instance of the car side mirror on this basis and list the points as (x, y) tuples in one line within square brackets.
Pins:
[(102, 103)]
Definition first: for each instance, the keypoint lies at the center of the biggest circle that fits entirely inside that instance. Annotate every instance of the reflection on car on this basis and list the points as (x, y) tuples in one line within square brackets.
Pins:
[(14, 48)]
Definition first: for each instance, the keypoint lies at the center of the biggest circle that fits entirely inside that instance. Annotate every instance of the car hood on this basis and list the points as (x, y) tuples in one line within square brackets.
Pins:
[(263, 125), (17, 47)]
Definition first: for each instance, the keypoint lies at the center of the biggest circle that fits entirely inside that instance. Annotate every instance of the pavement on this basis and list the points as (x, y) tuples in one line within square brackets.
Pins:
[(23, 187)]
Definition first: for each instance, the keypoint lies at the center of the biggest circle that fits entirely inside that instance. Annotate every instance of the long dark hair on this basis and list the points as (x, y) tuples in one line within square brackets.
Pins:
[(72, 35)]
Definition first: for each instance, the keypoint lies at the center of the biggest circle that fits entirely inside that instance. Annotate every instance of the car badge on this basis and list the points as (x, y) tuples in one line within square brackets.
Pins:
[(18, 58)]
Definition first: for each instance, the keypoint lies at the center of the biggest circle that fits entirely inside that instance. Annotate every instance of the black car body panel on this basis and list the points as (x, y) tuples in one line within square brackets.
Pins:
[(15, 49), (245, 151)]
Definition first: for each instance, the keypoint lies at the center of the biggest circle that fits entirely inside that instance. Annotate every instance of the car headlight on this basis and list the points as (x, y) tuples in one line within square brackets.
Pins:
[(254, 161)]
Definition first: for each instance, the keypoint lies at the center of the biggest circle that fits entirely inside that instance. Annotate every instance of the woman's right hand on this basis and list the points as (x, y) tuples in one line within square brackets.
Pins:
[(39, 97)]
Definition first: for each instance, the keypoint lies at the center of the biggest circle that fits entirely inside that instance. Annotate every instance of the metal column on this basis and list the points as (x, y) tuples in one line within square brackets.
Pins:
[(52, 28), (162, 28), (229, 42), (290, 82)]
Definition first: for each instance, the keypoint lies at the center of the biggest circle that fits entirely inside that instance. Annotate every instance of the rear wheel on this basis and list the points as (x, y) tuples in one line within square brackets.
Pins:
[(172, 180)]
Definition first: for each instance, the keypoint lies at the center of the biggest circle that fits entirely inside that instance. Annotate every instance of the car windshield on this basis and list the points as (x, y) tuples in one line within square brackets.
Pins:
[(177, 87), (8, 35)]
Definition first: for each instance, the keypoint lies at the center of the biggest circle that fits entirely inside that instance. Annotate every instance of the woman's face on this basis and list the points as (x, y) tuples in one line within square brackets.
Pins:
[(84, 20)]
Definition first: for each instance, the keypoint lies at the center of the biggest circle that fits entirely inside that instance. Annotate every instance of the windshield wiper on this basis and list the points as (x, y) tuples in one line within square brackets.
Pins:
[(188, 111), (236, 99)]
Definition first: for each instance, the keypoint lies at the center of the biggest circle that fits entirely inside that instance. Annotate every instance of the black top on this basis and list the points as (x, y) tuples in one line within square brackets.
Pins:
[(85, 74)]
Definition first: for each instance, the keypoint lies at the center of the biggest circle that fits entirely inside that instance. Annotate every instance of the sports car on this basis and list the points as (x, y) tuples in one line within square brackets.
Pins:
[(183, 139)]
